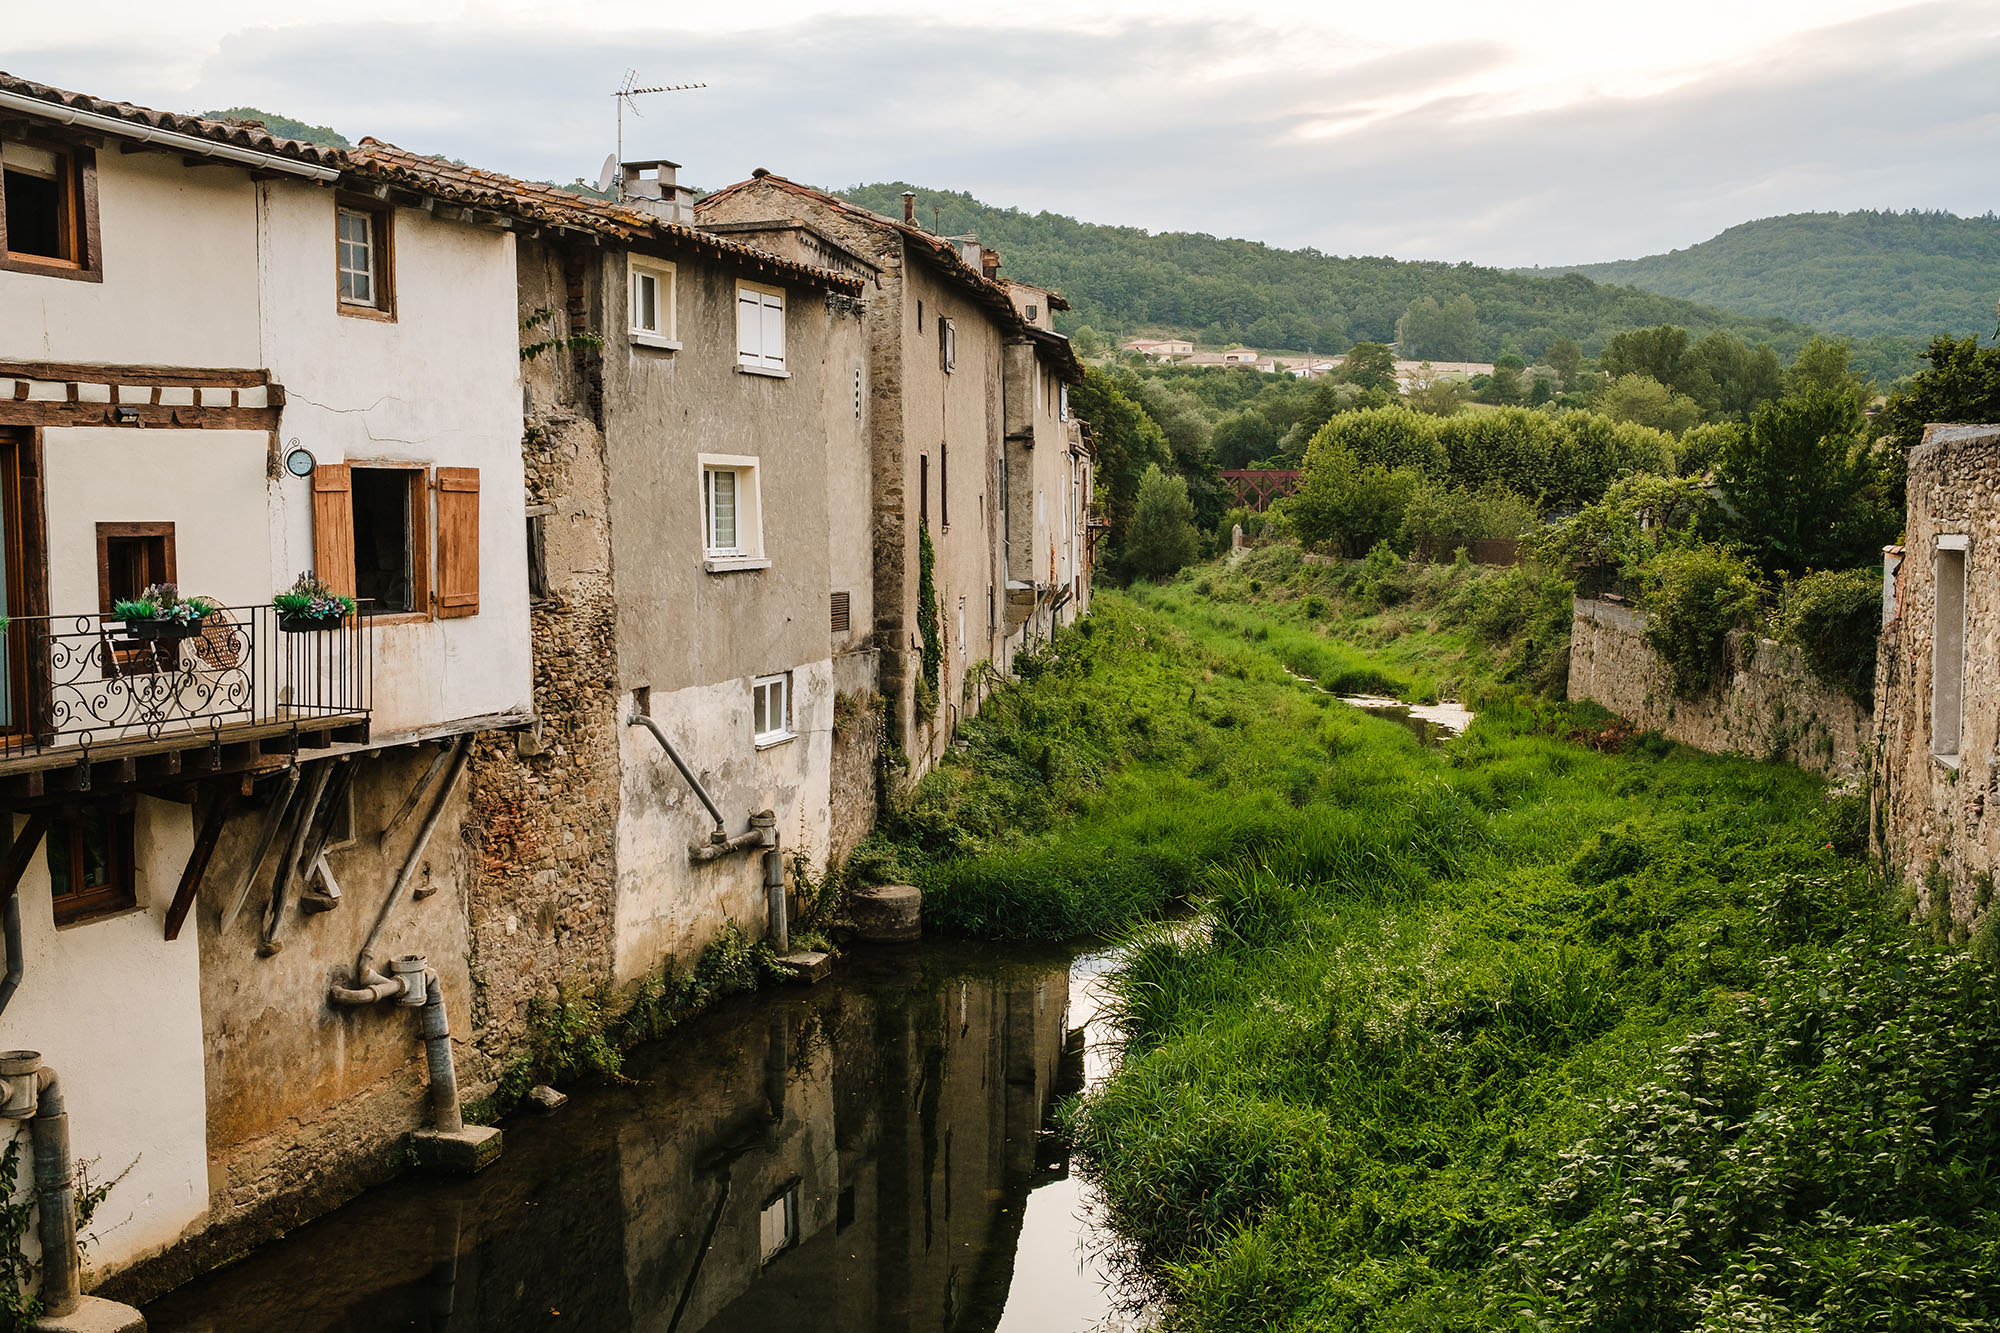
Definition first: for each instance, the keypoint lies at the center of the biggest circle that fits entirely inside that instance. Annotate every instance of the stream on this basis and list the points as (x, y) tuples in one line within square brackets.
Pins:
[(873, 1153)]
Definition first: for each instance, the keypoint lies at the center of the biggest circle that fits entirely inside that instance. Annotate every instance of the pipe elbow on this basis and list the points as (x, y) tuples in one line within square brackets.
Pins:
[(383, 989), (48, 1092)]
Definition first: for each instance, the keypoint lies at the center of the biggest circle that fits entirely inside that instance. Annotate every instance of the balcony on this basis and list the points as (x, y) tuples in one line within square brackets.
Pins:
[(81, 691)]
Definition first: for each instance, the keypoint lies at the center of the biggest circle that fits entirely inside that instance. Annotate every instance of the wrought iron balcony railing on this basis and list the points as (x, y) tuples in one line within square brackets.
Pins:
[(73, 683)]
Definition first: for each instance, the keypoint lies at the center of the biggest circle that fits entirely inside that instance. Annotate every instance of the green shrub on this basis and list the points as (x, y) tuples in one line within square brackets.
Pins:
[(1694, 598), (1835, 619)]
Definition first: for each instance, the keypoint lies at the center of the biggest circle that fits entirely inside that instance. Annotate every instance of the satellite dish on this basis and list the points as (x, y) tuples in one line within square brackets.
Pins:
[(608, 174)]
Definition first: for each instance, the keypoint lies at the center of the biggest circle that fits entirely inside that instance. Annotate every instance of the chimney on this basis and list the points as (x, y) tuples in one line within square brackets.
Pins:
[(650, 187), (910, 207), (989, 264)]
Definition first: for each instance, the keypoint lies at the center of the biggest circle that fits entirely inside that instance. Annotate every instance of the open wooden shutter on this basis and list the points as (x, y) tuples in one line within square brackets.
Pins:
[(458, 542), (749, 327), (333, 526)]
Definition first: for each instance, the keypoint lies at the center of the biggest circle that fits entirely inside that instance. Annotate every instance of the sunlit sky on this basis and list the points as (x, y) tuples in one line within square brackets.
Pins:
[(1549, 131)]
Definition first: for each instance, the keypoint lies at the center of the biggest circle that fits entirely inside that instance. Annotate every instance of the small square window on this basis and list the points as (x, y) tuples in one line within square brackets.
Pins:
[(90, 862), (771, 709), (47, 209), (653, 304)]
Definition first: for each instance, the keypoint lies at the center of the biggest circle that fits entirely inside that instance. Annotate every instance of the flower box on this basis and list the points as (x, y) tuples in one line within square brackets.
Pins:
[(290, 623)]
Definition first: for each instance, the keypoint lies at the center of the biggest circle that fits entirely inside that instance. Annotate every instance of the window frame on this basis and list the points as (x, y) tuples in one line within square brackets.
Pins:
[(382, 255), (947, 345), (758, 360), (79, 174), (121, 657), (781, 681), (666, 279), (1953, 551), (121, 894), (419, 483), (748, 552)]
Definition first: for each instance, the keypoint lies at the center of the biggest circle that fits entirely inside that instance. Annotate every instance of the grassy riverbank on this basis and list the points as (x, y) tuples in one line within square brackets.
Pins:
[(1551, 1027)]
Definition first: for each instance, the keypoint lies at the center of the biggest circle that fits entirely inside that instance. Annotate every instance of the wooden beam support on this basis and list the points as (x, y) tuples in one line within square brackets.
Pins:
[(187, 416), (22, 851), (99, 372), (219, 806)]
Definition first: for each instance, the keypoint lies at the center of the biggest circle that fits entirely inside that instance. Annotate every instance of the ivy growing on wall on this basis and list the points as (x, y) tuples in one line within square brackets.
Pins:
[(928, 626)]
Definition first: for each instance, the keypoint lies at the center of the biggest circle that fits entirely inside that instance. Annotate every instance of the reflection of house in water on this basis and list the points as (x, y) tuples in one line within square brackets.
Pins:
[(857, 1158)]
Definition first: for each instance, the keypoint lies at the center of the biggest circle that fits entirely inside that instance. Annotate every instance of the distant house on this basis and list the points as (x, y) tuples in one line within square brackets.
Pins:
[(1159, 349), (1240, 356)]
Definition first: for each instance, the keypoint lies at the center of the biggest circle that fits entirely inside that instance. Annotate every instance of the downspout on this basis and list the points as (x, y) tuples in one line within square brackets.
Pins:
[(16, 958), (33, 1093), (720, 835), (413, 983)]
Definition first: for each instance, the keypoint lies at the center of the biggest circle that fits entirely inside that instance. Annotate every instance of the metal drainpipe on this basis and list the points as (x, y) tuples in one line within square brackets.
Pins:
[(16, 959), (641, 720), (414, 983), (780, 931), (33, 1093)]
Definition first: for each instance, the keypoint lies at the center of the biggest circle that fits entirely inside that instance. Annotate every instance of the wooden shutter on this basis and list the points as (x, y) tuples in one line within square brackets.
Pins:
[(458, 542), (773, 343), (333, 526), (749, 326)]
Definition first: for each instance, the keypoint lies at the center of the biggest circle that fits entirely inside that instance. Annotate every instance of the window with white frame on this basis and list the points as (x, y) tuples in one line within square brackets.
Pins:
[(771, 708), (732, 534), (653, 322), (760, 329)]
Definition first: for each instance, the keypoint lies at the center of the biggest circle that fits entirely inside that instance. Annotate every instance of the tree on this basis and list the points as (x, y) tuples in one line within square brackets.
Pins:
[(1447, 332), (1803, 487), (1163, 538), (1657, 353), (1088, 342), (1646, 401), (1961, 385), (1566, 359), (1438, 395), (1128, 442), (1244, 439), (1826, 365), (1369, 366), (1730, 378)]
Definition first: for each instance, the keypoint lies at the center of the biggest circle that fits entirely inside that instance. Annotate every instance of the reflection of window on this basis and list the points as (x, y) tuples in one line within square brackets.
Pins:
[(388, 515), (778, 1224), (45, 223), (90, 862), (1948, 648), (771, 708)]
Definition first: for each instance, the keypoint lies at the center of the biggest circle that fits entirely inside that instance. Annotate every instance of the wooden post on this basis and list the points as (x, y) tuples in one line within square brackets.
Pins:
[(219, 806)]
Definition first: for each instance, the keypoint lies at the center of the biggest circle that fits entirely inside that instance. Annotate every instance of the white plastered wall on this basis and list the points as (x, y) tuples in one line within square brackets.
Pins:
[(439, 385), (208, 483), (669, 907), (115, 1009), (179, 288)]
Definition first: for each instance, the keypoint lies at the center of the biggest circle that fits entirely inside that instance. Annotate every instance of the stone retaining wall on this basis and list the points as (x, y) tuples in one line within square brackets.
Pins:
[(1770, 707)]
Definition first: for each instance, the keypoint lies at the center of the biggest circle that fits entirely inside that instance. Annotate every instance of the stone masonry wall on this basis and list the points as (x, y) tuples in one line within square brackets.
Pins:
[(1771, 707)]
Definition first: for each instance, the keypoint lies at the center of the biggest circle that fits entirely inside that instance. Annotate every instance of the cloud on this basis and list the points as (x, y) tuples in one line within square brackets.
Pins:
[(1218, 125)]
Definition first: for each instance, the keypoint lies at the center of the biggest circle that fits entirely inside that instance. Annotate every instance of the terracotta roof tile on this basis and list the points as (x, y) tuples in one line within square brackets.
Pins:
[(221, 131)]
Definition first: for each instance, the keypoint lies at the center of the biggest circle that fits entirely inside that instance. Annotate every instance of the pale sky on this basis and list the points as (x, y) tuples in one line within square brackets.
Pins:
[(1545, 131)]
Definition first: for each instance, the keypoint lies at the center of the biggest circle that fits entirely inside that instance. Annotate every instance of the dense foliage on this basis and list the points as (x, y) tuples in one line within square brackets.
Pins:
[(1125, 280), (1695, 595), (1910, 275), (1834, 618), (1551, 1027), (1163, 539)]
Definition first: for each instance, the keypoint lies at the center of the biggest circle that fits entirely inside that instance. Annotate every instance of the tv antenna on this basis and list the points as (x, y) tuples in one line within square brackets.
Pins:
[(627, 92)]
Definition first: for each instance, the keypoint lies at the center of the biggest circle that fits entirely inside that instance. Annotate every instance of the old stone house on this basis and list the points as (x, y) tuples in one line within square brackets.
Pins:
[(226, 358), (939, 324), (1937, 677)]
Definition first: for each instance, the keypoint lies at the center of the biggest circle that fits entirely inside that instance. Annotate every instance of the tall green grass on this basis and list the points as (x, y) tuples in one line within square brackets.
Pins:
[(1511, 1034)]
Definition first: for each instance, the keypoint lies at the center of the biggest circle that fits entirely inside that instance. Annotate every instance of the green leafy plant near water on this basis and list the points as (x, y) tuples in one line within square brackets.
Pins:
[(1551, 1027)]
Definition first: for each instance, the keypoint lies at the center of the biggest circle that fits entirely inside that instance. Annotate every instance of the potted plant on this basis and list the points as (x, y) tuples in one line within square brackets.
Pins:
[(161, 613), (310, 605)]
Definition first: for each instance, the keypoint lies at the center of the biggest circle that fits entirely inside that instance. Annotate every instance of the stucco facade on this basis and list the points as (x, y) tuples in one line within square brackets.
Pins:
[(693, 635), (151, 390), (1937, 677), (948, 351)]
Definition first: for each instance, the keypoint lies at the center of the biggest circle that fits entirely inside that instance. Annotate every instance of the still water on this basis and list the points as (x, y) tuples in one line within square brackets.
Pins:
[(873, 1153)]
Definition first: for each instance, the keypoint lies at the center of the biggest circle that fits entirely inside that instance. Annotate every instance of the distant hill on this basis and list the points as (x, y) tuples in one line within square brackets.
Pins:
[(282, 126), (1855, 274), (1124, 280)]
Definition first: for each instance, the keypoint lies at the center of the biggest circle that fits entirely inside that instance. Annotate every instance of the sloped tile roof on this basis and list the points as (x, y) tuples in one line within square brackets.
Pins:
[(221, 131)]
